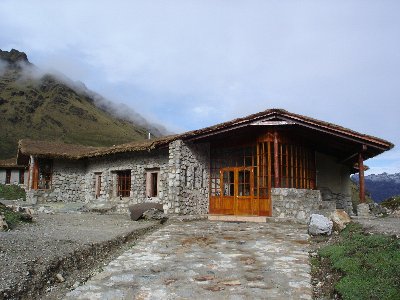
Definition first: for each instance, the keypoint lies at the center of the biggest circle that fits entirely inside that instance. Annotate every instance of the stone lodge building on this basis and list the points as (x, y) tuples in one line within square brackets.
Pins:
[(273, 163)]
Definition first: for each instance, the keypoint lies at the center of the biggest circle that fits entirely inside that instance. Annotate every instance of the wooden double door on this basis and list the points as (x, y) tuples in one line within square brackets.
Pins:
[(237, 194)]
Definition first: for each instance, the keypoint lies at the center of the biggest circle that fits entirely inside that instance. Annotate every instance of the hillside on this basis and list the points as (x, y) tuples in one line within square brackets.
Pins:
[(51, 107), (381, 186)]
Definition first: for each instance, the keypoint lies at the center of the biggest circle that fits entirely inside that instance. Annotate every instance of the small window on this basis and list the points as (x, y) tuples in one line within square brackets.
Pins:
[(21, 176), (194, 177), (8, 176), (152, 183), (124, 183), (97, 184)]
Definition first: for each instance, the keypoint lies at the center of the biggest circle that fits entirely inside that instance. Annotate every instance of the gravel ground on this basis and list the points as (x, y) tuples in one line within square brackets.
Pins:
[(70, 244), (388, 225)]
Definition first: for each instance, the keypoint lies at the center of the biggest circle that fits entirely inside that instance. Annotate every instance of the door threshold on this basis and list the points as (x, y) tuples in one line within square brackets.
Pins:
[(231, 218)]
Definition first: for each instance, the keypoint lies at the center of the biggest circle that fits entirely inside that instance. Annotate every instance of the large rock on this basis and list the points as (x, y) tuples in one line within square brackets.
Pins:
[(363, 210), (320, 225), (3, 224), (340, 219), (154, 214), (136, 211)]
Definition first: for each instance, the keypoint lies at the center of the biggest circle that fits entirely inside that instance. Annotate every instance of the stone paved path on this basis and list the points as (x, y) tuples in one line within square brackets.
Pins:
[(209, 260)]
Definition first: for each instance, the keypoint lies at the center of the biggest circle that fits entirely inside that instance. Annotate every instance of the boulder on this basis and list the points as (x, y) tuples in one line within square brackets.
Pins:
[(136, 211), (363, 210), (340, 219), (154, 214), (320, 225)]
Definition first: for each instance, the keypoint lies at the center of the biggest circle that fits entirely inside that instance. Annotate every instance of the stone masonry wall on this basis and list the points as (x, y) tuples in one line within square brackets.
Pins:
[(68, 183), (139, 163), (188, 178), (299, 204)]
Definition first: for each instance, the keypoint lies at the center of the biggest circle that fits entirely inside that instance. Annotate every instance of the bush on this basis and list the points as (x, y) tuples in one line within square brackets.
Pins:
[(12, 192), (370, 264), (392, 203), (13, 218)]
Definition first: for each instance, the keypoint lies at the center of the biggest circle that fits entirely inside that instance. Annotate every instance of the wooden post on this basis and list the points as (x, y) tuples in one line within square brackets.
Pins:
[(361, 177), (276, 160)]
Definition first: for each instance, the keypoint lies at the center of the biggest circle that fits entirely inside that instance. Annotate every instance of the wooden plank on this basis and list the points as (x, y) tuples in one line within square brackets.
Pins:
[(276, 160), (361, 177)]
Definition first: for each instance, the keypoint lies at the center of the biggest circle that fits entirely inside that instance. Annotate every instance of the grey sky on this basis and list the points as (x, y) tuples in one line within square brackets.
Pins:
[(189, 64)]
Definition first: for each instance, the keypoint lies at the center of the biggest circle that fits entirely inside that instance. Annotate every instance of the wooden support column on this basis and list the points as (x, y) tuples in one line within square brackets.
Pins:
[(361, 177), (276, 160)]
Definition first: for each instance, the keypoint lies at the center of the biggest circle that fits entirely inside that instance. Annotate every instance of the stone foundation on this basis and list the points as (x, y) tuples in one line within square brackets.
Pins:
[(299, 204)]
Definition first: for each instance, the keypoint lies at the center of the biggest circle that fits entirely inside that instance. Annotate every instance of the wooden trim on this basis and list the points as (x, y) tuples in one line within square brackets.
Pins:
[(276, 160), (361, 177)]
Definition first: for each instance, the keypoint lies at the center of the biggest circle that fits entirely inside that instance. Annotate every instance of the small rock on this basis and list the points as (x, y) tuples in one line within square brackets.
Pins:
[(231, 282), (60, 278), (204, 278)]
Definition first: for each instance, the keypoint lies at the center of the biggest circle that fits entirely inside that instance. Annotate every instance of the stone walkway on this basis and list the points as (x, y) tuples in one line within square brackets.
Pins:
[(209, 260)]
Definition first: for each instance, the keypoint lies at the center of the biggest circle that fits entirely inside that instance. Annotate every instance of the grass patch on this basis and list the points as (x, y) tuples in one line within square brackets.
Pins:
[(369, 264), (392, 203), (13, 218), (12, 192)]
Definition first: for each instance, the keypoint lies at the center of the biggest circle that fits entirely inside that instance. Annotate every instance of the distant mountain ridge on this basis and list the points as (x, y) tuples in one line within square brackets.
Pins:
[(42, 106), (381, 186)]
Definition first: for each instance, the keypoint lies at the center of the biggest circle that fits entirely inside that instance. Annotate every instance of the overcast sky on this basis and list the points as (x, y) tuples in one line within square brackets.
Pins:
[(189, 64)]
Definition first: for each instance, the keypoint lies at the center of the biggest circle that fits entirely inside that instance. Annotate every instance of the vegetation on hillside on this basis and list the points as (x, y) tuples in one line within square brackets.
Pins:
[(392, 203), (12, 192), (42, 107), (362, 266)]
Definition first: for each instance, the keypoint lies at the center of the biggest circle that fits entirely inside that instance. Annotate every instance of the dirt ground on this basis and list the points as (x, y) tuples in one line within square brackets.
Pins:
[(72, 245), (388, 225)]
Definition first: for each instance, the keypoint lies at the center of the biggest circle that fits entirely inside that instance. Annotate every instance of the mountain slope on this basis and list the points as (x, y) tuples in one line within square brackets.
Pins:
[(45, 107), (381, 186)]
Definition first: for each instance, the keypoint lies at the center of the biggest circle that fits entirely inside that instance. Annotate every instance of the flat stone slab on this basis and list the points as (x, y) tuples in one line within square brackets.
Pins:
[(209, 260)]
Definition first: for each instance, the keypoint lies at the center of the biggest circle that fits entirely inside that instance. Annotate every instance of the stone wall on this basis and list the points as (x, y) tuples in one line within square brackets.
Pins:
[(138, 163), (299, 204), (188, 178), (68, 183), (333, 180)]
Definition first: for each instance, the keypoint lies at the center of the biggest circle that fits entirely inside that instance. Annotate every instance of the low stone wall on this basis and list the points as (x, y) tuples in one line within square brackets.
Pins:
[(343, 201), (299, 204)]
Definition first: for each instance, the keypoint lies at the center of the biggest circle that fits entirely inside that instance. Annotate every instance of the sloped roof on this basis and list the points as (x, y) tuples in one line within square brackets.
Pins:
[(10, 163), (69, 151)]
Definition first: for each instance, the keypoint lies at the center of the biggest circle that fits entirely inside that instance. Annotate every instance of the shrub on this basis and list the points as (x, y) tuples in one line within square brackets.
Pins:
[(12, 192)]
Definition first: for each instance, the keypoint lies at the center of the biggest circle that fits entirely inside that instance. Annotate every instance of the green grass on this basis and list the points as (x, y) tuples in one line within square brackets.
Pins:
[(370, 264), (392, 203), (12, 192), (13, 218)]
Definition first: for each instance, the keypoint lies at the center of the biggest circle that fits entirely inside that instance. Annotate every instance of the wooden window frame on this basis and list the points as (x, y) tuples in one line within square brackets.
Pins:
[(21, 177), (152, 182), (8, 176), (97, 184), (124, 183)]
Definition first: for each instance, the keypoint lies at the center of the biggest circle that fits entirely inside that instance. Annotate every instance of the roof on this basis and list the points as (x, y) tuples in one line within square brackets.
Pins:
[(69, 151), (10, 163)]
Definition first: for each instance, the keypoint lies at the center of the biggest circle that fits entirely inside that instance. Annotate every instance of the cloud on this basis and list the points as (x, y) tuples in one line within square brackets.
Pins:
[(191, 64)]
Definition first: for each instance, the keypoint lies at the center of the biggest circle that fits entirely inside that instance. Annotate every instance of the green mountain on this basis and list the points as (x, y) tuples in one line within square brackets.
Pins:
[(51, 107)]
